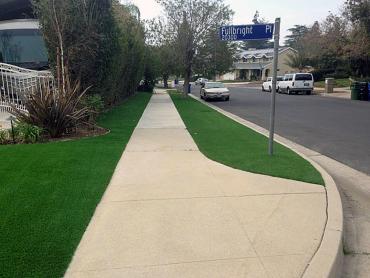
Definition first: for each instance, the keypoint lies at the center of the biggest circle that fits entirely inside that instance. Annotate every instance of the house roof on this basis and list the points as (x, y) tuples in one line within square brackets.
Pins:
[(260, 53), (250, 66)]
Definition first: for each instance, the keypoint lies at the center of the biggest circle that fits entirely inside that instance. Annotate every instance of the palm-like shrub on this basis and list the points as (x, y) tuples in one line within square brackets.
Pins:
[(54, 110)]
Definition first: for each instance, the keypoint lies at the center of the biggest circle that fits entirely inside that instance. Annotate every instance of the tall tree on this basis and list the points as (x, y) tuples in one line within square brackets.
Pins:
[(310, 44), (76, 29), (257, 44), (167, 62), (294, 39), (297, 61), (102, 43), (190, 23), (128, 58), (358, 13), (214, 57), (164, 45), (339, 45)]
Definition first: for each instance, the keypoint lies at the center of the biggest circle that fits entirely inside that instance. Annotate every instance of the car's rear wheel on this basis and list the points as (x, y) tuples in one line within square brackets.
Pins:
[(227, 98), (270, 89), (308, 92), (288, 91)]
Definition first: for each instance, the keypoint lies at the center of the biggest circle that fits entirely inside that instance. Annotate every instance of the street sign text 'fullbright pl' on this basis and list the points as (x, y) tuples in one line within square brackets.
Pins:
[(247, 32)]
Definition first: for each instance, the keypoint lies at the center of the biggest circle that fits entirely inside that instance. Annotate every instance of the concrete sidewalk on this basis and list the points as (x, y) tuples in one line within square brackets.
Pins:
[(171, 212), (344, 93)]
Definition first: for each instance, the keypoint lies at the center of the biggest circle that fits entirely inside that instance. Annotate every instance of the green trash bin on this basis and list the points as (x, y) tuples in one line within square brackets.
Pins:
[(355, 90)]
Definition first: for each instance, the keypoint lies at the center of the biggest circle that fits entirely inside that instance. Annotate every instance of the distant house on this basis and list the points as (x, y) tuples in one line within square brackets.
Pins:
[(21, 41), (256, 64)]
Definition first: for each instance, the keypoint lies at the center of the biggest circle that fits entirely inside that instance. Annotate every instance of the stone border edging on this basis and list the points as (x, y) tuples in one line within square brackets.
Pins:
[(327, 261)]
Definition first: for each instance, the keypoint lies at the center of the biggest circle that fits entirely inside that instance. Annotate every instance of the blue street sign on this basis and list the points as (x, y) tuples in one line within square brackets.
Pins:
[(247, 32)]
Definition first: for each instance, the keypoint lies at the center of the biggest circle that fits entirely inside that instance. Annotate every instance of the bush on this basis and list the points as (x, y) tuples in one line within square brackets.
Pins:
[(23, 133), (146, 86), (4, 136), (103, 41), (339, 75), (94, 104), (27, 133), (362, 79), (319, 75)]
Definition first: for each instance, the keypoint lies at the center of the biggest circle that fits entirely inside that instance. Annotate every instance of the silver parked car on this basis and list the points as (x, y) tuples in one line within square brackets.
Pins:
[(214, 90)]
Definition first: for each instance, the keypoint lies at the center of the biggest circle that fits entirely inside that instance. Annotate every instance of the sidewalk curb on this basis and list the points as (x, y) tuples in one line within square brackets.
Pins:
[(327, 261)]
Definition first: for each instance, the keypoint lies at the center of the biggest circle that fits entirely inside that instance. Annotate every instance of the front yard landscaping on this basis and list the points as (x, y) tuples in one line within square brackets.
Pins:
[(339, 83), (48, 193), (228, 142)]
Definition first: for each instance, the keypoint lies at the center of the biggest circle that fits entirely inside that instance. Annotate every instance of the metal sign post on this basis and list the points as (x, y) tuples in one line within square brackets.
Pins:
[(274, 82), (259, 32)]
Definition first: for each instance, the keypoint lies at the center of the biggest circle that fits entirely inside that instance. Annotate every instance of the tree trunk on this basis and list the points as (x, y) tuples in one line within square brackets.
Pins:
[(61, 48), (187, 76), (165, 81)]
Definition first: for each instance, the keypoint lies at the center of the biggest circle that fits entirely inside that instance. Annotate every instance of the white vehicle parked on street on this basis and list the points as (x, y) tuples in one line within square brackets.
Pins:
[(201, 81), (214, 90), (267, 85), (297, 82)]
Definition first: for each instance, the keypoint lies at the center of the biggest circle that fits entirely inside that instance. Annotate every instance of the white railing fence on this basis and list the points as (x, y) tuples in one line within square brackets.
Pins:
[(17, 84)]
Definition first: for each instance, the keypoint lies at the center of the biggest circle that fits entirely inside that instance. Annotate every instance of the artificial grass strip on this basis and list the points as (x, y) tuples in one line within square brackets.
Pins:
[(228, 142), (49, 192)]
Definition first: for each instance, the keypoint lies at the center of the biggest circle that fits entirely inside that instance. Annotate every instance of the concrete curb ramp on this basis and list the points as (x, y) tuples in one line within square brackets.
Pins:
[(171, 212), (328, 259)]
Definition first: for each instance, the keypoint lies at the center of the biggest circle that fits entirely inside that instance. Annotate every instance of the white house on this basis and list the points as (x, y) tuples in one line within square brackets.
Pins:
[(256, 64)]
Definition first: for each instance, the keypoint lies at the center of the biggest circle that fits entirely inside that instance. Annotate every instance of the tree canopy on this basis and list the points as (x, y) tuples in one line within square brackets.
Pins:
[(339, 45), (102, 43), (189, 27), (257, 44)]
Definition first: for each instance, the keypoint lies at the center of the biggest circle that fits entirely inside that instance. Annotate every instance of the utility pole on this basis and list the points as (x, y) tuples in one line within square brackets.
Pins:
[(274, 82)]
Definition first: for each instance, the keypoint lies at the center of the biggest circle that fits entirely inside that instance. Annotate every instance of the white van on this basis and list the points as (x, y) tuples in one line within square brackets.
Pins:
[(267, 85), (297, 82)]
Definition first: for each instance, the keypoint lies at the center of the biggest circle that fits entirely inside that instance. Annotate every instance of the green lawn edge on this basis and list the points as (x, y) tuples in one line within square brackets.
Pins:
[(230, 143), (49, 192)]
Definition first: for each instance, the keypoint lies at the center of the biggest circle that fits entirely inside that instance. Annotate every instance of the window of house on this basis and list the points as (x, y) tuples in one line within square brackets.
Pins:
[(22, 46)]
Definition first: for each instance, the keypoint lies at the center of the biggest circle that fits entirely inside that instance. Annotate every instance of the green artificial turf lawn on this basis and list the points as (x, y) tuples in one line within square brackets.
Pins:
[(48, 193), (228, 142)]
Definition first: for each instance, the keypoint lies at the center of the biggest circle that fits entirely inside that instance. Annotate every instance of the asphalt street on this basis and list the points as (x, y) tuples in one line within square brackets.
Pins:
[(337, 128)]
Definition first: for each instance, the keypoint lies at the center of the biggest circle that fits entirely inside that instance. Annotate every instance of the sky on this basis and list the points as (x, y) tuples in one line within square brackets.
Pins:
[(291, 12)]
